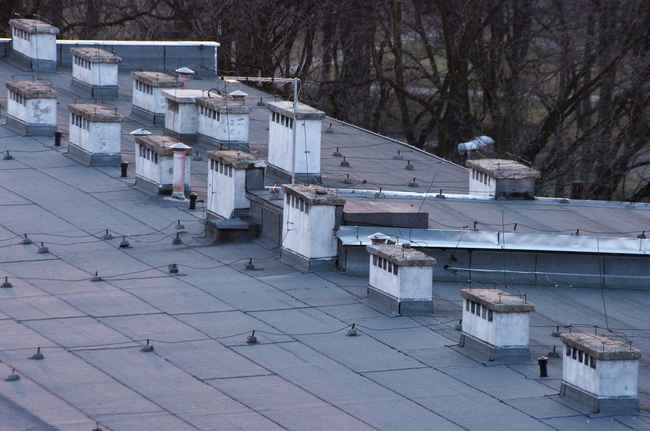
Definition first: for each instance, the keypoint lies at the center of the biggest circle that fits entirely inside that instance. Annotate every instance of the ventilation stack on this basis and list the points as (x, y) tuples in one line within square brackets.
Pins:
[(501, 179), (311, 215), (302, 162), (148, 100), (600, 372), (31, 108), (182, 115), (33, 43), (95, 134), (155, 167), (223, 122), (231, 174), (95, 71), (400, 279), (496, 323)]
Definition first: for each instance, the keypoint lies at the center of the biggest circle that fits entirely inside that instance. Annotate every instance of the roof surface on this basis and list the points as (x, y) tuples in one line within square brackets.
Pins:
[(401, 373)]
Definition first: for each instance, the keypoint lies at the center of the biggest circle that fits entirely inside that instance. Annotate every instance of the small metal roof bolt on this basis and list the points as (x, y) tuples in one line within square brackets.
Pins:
[(459, 325), (96, 277), (399, 156), (107, 235), (347, 179), (329, 129), (352, 332), (26, 240), (440, 195), (7, 156), (261, 101), (250, 266), (177, 240), (413, 183), (179, 225), (553, 353), (125, 243), (252, 339), (97, 428), (641, 235), (147, 348), (38, 356), (173, 268), (43, 249), (345, 163), (556, 333), (409, 166), (13, 377), (337, 153), (6, 284)]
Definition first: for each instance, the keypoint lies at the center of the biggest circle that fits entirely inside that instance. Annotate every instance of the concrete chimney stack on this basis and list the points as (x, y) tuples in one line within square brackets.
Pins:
[(31, 108), (147, 96), (159, 163), (33, 43), (600, 372), (400, 279), (311, 215), (497, 323), (95, 71), (501, 179), (303, 161), (223, 122), (95, 134)]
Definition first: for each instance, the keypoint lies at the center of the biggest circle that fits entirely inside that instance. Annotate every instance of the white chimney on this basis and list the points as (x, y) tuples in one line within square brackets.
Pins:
[(311, 216), (496, 323), (95, 134), (501, 179), (223, 122), (154, 164), (31, 108), (303, 161), (601, 372), (95, 71), (228, 174), (33, 42), (147, 96), (400, 279), (181, 117)]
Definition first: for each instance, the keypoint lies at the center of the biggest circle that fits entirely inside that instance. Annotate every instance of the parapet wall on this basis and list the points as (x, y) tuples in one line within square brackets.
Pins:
[(165, 56)]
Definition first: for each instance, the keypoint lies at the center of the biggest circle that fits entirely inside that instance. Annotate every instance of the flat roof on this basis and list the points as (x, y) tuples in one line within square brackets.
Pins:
[(304, 369)]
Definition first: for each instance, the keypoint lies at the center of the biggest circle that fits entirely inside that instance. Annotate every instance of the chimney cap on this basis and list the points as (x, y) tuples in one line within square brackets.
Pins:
[(96, 55), (32, 89), (503, 169), (498, 300), (315, 195), (304, 112), (96, 113), (601, 347), (159, 144), (236, 159), (402, 256), (33, 26), (156, 79), (185, 71)]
